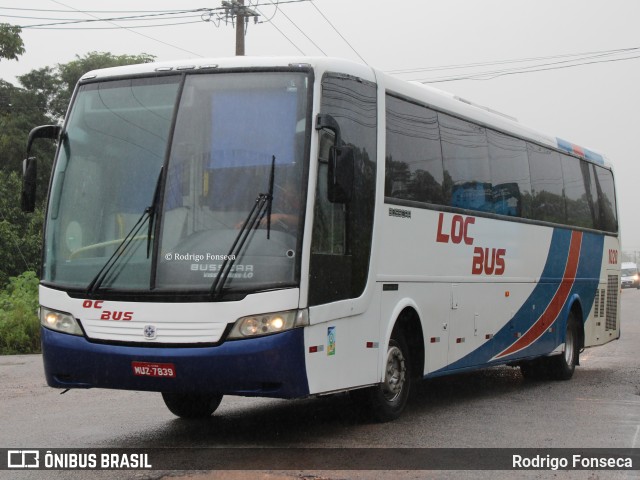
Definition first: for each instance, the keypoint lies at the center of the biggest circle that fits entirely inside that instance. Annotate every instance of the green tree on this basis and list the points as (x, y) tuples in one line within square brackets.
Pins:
[(20, 110), (20, 233), (54, 85), (41, 98), (11, 45), (19, 324)]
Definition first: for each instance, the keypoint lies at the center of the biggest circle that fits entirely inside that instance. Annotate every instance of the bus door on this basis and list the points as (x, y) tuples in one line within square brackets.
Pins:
[(342, 233)]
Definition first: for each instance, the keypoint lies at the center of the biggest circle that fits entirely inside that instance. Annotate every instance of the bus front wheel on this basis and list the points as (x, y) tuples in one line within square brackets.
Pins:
[(191, 405), (387, 400)]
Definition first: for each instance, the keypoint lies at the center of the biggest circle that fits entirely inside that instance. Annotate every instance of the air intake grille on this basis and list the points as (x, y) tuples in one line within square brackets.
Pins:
[(612, 302), (602, 304), (599, 305)]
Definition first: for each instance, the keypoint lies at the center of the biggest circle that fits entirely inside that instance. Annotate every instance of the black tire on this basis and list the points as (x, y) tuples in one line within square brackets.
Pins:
[(387, 401), (561, 367), (191, 405), (534, 370)]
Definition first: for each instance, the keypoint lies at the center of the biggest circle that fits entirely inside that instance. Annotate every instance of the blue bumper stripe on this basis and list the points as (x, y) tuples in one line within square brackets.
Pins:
[(272, 366)]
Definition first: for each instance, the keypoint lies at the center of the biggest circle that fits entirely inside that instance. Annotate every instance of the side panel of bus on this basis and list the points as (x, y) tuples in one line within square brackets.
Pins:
[(603, 322), (494, 291)]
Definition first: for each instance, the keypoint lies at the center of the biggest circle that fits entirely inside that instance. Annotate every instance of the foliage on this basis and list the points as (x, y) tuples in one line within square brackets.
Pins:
[(20, 233), (10, 41), (54, 86), (19, 323), (20, 111), (41, 98)]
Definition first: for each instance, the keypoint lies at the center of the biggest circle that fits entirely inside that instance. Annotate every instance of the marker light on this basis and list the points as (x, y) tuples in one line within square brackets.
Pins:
[(59, 321), (269, 323)]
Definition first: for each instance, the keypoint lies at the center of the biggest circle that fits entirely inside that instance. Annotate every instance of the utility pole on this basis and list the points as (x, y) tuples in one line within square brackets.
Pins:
[(240, 30), (237, 10)]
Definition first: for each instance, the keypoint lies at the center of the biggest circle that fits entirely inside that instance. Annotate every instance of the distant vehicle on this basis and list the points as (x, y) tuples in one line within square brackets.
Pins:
[(298, 227), (630, 277)]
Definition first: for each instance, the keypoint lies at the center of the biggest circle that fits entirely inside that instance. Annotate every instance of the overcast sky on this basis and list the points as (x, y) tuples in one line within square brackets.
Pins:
[(581, 57)]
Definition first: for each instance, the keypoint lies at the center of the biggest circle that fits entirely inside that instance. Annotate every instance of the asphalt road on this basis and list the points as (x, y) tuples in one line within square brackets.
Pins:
[(598, 408)]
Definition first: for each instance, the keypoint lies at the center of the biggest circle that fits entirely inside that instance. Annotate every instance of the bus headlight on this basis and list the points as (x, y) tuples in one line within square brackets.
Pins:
[(59, 321), (268, 323)]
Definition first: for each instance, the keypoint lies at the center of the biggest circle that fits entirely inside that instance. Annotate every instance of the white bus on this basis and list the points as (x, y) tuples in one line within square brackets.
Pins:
[(298, 227)]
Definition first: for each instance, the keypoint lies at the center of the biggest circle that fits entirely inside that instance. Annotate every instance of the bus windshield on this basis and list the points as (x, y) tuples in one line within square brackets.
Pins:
[(196, 171)]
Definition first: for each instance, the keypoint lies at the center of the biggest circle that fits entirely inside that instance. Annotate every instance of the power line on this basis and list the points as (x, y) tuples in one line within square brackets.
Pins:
[(299, 29), (338, 32), (584, 60), (71, 20), (558, 67), (163, 18), (146, 17), (131, 30), (132, 11), (88, 11), (120, 27), (502, 62), (280, 31)]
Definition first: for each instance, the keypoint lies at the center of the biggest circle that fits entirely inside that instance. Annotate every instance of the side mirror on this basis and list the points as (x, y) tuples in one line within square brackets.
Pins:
[(29, 166), (29, 175), (340, 174), (330, 123), (341, 163), (43, 131)]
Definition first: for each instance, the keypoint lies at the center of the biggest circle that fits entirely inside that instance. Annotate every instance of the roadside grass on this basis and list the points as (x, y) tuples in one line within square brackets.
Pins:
[(19, 323)]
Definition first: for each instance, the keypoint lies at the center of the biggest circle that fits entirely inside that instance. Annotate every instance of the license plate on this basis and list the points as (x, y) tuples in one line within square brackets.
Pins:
[(147, 369)]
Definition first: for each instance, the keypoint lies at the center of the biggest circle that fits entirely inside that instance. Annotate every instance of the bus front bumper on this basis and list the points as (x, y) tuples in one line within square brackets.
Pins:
[(270, 366)]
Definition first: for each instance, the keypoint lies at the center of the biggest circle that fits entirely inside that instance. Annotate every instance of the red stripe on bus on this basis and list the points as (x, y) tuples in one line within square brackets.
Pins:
[(557, 302)]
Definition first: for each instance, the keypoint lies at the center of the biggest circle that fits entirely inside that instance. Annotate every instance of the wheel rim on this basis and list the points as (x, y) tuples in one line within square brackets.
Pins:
[(569, 347), (395, 374)]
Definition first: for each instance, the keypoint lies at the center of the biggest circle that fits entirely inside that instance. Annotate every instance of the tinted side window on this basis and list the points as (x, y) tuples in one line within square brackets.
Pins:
[(578, 205), (511, 182), (607, 219), (592, 192), (342, 232), (413, 156), (467, 181), (547, 202)]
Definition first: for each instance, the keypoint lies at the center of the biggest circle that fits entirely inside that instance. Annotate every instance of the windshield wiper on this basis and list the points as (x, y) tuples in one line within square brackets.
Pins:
[(153, 214), (273, 167), (261, 207), (123, 247)]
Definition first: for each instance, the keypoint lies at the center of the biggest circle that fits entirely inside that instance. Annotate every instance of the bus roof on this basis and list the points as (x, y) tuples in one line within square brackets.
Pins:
[(428, 95)]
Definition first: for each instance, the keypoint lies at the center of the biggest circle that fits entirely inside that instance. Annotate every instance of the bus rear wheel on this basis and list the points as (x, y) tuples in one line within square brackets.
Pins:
[(191, 405), (386, 401), (561, 367)]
